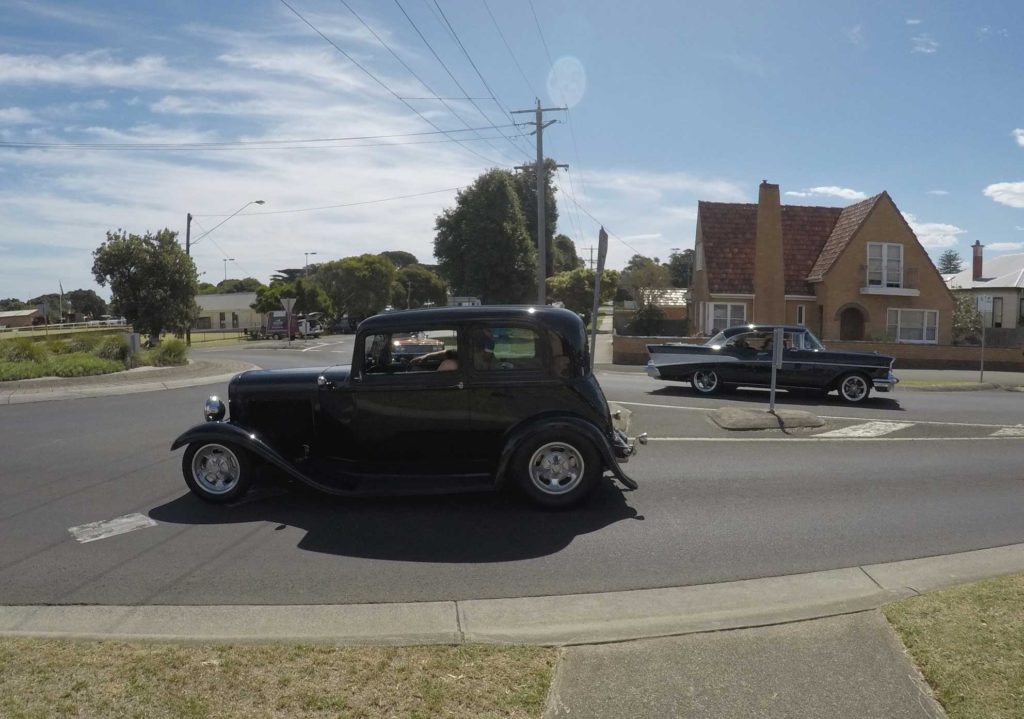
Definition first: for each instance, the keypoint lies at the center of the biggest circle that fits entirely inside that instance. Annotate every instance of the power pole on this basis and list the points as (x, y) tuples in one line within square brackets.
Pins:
[(591, 261), (188, 253), (542, 241)]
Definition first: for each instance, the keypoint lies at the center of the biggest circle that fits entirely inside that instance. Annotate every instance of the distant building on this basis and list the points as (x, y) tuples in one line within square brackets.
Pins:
[(464, 302), (227, 311), (21, 318), (1001, 278)]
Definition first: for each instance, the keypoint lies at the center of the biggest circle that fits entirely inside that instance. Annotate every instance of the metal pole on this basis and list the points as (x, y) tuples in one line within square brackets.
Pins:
[(981, 379), (188, 253), (542, 245)]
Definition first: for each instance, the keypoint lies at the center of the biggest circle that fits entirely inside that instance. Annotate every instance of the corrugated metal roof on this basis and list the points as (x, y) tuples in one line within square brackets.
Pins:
[(1003, 272), (19, 313)]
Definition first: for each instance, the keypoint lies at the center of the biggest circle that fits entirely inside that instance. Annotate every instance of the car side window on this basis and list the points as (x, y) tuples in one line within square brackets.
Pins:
[(413, 350), (501, 348)]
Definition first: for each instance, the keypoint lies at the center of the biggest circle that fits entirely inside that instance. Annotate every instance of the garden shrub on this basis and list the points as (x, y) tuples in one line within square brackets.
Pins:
[(58, 347), (81, 364), (170, 352), (84, 342), (112, 347), (22, 370), (22, 349)]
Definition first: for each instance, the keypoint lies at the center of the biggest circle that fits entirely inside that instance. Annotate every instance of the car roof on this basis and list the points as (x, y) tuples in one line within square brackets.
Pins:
[(738, 329), (563, 321)]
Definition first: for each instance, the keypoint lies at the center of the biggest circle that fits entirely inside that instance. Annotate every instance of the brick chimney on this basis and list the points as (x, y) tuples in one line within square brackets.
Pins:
[(769, 271), (977, 266)]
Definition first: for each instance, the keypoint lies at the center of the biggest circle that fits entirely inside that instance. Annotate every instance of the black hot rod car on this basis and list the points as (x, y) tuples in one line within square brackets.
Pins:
[(498, 395)]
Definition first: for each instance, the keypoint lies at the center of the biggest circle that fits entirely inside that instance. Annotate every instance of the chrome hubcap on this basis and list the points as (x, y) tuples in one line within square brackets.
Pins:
[(705, 381), (556, 468), (854, 388), (216, 469)]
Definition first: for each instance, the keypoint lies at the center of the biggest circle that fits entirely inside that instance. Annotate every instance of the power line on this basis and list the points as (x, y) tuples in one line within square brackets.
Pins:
[(347, 204), (445, 66), (598, 222), (413, 72), (378, 80), (541, 33), (508, 47), (248, 148)]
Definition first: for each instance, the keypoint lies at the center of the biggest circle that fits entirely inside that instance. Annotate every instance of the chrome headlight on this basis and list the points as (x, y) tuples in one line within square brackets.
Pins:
[(214, 410)]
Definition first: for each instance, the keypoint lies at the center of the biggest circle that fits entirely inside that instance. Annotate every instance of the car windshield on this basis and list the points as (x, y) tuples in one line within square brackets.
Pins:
[(716, 341)]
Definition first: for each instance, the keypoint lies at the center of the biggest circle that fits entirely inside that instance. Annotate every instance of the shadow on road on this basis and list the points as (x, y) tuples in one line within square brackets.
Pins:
[(799, 398), (456, 529)]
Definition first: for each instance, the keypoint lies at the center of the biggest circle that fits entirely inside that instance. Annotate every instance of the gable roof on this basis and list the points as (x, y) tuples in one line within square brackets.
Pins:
[(729, 231), (850, 220), (1005, 271)]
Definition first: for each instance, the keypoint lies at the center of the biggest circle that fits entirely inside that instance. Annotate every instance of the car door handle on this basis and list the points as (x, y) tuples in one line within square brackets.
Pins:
[(458, 385)]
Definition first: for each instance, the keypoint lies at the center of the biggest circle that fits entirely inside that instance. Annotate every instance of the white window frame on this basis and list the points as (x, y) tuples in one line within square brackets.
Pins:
[(886, 250), (898, 312), (801, 315), (729, 316)]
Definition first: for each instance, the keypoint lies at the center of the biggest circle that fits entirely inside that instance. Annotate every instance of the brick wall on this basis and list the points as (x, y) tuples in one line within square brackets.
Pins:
[(633, 350)]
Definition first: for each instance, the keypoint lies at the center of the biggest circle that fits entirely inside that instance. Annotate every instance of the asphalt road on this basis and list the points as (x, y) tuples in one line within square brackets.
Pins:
[(946, 476)]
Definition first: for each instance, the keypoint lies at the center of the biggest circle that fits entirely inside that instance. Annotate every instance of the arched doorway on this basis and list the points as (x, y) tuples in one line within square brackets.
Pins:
[(851, 324)]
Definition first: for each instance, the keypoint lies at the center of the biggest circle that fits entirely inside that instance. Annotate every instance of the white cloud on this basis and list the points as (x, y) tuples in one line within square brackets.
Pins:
[(854, 35), (1006, 193), (934, 234), (938, 192), (913, 21), (1018, 135), (16, 116), (924, 43), (1020, 228), (1005, 246), (843, 193)]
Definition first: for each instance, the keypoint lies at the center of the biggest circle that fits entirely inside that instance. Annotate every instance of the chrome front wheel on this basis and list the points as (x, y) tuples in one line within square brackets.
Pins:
[(216, 472), (705, 381)]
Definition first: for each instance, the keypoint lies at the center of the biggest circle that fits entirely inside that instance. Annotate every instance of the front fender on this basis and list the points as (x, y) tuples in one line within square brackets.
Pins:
[(241, 437), (600, 442)]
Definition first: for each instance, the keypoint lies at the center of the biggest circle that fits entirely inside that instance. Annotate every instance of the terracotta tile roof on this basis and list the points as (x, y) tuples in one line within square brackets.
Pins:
[(729, 231), (850, 219)]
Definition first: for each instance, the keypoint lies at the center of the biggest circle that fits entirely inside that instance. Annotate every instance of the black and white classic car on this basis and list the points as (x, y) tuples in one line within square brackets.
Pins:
[(435, 401), (742, 356)]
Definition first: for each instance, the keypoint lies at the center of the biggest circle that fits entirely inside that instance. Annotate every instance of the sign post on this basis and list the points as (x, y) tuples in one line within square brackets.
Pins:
[(602, 252), (777, 340), (288, 303), (984, 306)]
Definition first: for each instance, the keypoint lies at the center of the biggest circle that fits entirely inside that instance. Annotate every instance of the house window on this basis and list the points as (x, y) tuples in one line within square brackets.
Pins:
[(885, 265), (913, 325), (727, 315), (997, 311), (203, 323), (800, 315), (234, 320), (223, 321)]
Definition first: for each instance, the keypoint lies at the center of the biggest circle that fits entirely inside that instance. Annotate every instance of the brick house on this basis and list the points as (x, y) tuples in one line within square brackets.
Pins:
[(849, 273)]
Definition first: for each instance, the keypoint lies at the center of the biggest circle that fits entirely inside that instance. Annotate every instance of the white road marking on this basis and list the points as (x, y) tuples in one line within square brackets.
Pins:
[(1017, 431), (314, 347), (868, 429), (101, 530)]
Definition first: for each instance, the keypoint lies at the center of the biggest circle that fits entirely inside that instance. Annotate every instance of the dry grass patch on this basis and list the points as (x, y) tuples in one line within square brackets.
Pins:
[(969, 643), (53, 678)]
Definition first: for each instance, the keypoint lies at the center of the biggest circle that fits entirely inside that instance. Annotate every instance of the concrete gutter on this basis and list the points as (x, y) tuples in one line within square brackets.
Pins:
[(556, 620)]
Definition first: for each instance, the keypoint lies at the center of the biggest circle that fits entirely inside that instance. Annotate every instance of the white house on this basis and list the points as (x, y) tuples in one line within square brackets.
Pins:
[(1002, 278)]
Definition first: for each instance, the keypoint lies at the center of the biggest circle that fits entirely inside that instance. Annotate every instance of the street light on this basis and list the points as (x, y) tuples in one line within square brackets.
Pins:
[(226, 261), (188, 246), (307, 254)]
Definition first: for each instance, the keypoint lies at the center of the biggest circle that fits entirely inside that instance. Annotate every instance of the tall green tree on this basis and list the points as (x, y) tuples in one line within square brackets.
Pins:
[(563, 255), (643, 276), (233, 286), (526, 188), (483, 246), (680, 268), (152, 281), (575, 289), (950, 263), (416, 286), (86, 303), (13, 303), (289, 274), (357, 286), (52, 301), (309, 297), (400, 258)]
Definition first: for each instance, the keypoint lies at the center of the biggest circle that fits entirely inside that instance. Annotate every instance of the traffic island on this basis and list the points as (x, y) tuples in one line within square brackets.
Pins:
[(734, 418)]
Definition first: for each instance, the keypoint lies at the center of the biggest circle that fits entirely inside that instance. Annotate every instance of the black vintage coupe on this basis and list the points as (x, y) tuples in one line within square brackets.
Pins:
[(742, 356), (498, 395)]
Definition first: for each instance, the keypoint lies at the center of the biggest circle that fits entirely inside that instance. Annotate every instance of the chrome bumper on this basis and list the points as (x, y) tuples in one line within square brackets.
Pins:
[(652, 371), (886, 385), (623, 448)]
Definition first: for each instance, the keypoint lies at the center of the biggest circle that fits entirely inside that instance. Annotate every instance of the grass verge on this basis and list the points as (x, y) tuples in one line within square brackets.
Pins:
[(947, 385), (54, 678), (969, 643)]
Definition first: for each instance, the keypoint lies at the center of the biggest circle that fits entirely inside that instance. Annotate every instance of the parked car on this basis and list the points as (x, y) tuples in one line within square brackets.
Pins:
[(742, 356), (497, 395)]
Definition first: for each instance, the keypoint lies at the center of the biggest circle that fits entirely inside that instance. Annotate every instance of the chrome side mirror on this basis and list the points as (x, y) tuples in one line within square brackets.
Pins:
[(214, 410), (324, 383)]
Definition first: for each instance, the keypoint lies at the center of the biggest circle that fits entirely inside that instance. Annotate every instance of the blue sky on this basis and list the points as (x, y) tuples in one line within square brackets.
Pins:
[(672, 102)]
